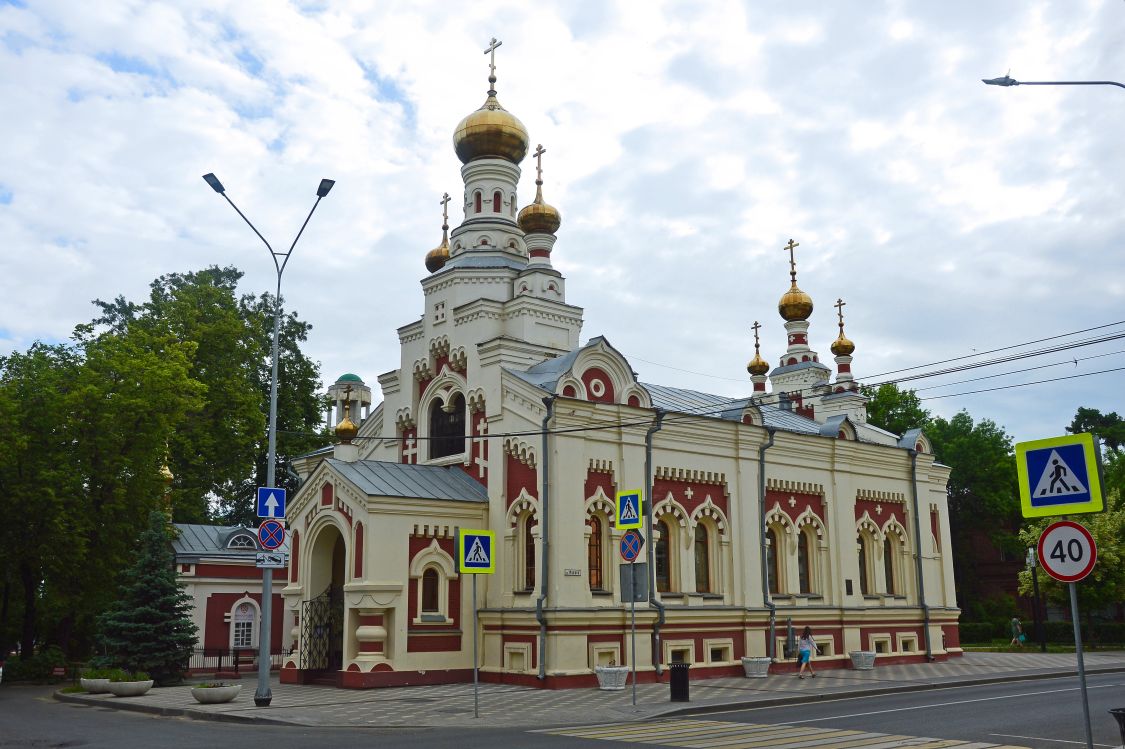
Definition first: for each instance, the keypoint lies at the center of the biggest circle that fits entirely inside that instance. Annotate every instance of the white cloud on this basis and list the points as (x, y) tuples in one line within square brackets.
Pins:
[(686, 143)]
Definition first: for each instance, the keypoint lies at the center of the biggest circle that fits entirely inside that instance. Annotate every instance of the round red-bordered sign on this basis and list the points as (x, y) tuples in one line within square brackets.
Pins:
[(1067, 551), (271, 534)]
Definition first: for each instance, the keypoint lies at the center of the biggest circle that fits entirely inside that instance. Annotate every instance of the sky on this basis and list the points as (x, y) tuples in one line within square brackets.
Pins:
[(687, 142)]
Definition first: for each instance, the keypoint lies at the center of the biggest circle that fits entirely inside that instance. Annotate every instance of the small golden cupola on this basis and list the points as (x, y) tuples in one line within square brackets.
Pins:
[(539, 217), (491, 132), (757, 365), (842, 346), (794, 304), (436, 258), (346, 429)]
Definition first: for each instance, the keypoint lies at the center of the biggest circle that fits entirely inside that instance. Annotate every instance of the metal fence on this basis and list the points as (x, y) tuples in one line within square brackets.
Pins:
[(236, 660)]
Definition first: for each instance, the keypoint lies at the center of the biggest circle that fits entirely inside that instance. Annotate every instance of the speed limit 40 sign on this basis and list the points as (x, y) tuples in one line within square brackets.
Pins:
[(1067, 551)]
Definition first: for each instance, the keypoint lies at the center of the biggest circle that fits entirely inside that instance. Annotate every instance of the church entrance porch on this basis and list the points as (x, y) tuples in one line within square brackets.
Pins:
[(321, 654)]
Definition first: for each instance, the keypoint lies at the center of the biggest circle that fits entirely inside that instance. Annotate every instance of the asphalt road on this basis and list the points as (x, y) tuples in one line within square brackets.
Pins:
[(1043, 714)]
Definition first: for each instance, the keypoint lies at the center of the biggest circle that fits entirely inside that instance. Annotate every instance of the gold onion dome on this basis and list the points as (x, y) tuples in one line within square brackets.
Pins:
[(842, 346), (346, 430), (795, 304), (757, 365), (491, 132), (436, 258), (540, 217), (166, 474)]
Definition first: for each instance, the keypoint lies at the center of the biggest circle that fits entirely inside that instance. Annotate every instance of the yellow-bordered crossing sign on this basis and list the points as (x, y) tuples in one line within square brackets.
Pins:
[(1059, 476), (630, 509), (476, 552)]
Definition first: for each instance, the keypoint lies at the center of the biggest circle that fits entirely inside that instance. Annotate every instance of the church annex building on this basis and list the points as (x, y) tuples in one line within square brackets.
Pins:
[(782, 504)]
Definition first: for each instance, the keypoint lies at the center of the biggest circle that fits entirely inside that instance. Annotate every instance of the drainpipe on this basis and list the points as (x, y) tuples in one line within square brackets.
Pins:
[(918, 554), (544, 544), (657, 423), (772, 649)]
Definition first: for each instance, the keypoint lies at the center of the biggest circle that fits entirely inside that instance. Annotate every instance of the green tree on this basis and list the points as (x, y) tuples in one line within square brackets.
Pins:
[(894, 409), (982, 492), (1110, 428), (149, 627)]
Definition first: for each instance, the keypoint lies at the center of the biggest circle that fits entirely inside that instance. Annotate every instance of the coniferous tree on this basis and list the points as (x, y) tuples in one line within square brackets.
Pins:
[(149, 626)]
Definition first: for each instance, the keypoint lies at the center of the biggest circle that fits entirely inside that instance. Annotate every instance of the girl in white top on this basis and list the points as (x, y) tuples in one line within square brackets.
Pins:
[(806, 646)]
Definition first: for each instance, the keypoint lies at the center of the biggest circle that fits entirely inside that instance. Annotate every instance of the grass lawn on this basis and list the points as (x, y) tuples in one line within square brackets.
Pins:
[(1004, 646)]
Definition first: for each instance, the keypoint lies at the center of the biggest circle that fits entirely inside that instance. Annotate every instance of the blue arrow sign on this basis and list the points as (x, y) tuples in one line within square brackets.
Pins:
[(271, 502)]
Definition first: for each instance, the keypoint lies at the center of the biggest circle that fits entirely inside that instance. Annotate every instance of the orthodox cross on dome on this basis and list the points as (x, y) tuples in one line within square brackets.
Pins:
[(756, 326), (839, 305), (539, 151), (792, 261), (491, 51), (445, 211)]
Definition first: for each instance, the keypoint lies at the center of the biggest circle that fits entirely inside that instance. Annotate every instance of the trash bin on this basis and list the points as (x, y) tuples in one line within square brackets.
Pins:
[(1119, 713), (678, 679)]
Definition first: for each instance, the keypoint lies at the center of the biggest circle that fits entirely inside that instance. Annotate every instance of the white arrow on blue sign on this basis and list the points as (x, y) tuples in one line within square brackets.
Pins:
[(271, 502)]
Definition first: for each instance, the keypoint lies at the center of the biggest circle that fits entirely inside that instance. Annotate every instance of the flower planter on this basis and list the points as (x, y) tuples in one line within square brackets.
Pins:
[(95, 686), (612, 678), (129, 688), (215, 695), (756, 668), (863, 660)]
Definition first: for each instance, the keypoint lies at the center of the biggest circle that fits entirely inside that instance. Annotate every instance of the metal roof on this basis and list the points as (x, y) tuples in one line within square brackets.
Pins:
[(195, 540), (382, 479)]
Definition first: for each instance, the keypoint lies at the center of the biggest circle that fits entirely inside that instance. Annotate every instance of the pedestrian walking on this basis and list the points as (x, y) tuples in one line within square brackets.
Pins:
[(806, 646), (1017, 633)]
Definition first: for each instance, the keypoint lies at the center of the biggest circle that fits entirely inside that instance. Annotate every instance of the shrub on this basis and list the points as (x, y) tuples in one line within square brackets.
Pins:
[(119, 674), (36, 668)]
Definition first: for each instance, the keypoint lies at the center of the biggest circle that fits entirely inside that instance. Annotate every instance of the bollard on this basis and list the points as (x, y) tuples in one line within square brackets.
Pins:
[(1119, 713), (678, 680)]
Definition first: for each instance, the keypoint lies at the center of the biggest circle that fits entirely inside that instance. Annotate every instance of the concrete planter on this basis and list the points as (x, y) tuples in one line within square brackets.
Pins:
[(863, 660), (129, 688), (756, 668), (95, 686), (612, 678), (215, 695)]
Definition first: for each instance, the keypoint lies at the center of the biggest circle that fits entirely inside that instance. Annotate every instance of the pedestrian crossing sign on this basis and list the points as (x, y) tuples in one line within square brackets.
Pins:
[(629, 509), (474, 553), (1059, 476)]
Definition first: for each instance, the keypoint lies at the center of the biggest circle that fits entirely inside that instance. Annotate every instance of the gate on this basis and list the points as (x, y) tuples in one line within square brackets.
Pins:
[(322, 631)]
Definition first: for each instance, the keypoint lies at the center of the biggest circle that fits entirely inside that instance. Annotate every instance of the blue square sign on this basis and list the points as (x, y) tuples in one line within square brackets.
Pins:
[(271, 502)]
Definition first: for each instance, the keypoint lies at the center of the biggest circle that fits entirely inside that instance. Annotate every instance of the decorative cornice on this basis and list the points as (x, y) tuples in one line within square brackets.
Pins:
[(601, 466), (880, 496), (433, 531), (795, 487), (690, 474)]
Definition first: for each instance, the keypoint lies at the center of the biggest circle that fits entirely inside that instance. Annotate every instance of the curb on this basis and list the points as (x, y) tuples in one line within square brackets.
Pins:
[(877, 691), (194, 714)]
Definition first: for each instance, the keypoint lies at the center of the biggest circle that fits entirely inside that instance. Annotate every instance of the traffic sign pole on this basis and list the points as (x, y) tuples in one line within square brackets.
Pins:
[(476, 668), (1081, 665), (633, 616)]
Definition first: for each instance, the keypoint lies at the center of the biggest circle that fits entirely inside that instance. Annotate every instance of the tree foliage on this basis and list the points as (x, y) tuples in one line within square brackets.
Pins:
[(148, 627), (893, 409)]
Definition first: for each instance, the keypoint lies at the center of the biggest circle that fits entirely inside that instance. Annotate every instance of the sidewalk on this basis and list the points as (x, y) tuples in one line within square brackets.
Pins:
[(516, 707)]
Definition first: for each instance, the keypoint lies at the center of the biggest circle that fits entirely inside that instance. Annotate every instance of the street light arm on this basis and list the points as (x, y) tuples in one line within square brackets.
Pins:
[(285, 262), (267, 244), (1070, 83)]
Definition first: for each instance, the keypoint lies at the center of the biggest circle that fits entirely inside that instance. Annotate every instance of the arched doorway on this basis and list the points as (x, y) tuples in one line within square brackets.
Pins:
[(322, 616)]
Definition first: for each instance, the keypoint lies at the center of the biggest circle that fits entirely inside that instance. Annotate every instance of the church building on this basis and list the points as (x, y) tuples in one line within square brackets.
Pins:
[(783, 505)]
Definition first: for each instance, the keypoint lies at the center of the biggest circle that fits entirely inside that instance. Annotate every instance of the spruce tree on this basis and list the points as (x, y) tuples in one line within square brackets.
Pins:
[(149, 627)]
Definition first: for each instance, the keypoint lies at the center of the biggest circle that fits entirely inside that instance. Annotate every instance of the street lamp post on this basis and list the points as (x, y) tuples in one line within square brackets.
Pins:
[(1040, 627), (1009, 81), (263, 696)]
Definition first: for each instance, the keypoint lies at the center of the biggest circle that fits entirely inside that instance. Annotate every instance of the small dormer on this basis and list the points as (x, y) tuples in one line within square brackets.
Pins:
[(241, 539), (840, 427), (916, 440)]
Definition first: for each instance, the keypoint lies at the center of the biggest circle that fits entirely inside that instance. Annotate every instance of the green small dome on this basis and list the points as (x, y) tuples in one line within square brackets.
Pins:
[(349, 377)]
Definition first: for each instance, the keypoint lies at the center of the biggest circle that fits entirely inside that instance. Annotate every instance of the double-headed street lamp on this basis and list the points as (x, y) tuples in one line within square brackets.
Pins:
[(263, 696), (1009, 81)]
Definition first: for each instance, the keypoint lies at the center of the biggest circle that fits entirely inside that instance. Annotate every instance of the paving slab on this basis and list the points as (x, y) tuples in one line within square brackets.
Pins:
[(519, 707)]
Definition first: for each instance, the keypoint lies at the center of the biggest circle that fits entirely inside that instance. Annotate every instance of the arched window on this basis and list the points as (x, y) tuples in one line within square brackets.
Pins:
[(864, 567), (243, 620), (702, 560), (476, 201), (242, 541), (804, 562), (662, 554), (890, 568), (496, 202), (594, 554), (773, 561), (447, 428), (431, 602), (512, 205), (528, 555)]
